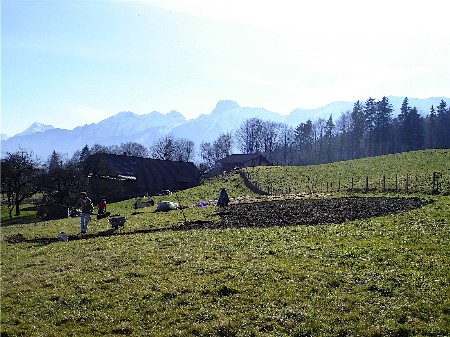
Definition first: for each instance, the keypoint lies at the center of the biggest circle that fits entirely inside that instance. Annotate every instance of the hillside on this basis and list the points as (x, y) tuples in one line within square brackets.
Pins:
[(168, 274), (389, 173)]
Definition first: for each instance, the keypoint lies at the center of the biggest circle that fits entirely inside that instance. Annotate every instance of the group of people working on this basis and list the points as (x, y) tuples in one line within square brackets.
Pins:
[(87, 207)]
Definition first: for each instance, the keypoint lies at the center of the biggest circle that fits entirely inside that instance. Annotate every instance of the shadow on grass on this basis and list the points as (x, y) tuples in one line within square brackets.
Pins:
[(19, 238), (22, 220)]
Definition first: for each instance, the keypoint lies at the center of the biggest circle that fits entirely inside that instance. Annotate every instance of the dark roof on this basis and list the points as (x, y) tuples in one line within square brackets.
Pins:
[(162, 173), (147, 173), (117, 165), (241, 158)]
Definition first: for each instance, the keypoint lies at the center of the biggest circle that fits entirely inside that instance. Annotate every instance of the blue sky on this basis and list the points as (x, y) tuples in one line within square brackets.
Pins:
[(70, 63)]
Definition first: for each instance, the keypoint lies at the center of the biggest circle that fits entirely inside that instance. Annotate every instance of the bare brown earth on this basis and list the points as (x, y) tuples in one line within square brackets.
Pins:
[(307, 211)]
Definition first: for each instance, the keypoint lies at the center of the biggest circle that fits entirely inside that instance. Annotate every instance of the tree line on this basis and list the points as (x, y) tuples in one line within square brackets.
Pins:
[(370, 129)]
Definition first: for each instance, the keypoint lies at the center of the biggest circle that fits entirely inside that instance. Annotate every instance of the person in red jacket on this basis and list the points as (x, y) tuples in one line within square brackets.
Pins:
[(102, 206)]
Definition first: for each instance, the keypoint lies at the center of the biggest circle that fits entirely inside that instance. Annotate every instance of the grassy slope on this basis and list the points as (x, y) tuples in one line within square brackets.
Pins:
[(417, 165), (384, 276)]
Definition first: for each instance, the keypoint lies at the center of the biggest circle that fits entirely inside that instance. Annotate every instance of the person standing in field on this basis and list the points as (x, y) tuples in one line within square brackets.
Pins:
[(87, 208), (223, 198)]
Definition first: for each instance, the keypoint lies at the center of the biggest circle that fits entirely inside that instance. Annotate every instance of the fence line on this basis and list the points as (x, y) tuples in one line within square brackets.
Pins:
[(435, 183)]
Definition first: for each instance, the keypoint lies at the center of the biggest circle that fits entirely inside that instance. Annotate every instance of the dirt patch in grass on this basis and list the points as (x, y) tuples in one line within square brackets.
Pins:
[(307, 212)]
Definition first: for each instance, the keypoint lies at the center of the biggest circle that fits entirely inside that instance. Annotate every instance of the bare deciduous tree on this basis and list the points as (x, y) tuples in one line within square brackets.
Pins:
[(249, 136), (184, 149), (171, 148), (21, 174), (133, 149), (219, 149)]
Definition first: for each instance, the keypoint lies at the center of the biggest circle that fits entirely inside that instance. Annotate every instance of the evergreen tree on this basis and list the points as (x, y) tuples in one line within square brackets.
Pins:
[(382, 123), (410, 127), (416, 132), (60, 180), (328, 136), (85, 152), (443, 118), (403, 120), (357, 128), (303, 137), (431, 129), (370, 111), (55, 161)]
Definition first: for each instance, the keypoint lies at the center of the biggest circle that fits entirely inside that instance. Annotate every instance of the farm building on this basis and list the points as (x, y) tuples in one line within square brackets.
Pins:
[(122, 176), (238, 161)]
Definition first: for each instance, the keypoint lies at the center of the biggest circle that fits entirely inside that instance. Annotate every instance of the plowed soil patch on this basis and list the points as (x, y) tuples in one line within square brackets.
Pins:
[(307, 212)]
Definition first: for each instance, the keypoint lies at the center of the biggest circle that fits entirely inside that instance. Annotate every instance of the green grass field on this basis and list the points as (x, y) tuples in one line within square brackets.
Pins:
[(386, 276), (412, 172)]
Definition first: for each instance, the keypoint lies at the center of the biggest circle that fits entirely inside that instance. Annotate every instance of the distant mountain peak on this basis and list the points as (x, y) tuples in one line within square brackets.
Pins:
[(35, 128), (126, 113), (225, 105), (175, 114)]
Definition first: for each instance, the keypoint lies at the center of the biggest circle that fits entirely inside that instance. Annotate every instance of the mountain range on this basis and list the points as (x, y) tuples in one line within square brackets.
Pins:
[(227, 116)]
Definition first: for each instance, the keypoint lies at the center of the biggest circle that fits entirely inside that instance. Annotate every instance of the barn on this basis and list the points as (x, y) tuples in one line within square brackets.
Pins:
[(238, 161), (120, 177)]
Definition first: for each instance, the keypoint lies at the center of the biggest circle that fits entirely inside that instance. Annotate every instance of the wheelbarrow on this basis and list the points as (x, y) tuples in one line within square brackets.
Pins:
[(117, 222)]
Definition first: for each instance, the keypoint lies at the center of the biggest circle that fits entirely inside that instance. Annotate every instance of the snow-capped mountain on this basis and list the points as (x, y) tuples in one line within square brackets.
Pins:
[(127, 124), (227, 116), (35, 128)]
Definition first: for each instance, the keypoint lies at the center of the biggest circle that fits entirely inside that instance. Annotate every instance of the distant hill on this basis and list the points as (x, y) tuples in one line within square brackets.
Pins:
[(227, 116)]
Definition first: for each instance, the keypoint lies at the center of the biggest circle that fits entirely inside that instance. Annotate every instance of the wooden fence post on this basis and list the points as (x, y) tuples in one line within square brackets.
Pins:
[(367, 184), (384, 184), (435, 183), (396, 183)]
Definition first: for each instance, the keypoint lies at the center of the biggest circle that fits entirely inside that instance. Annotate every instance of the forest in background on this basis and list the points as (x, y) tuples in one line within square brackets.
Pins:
[(370, 129)]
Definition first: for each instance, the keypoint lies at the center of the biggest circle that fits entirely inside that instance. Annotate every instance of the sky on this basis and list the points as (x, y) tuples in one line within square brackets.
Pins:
[(70, 63)]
